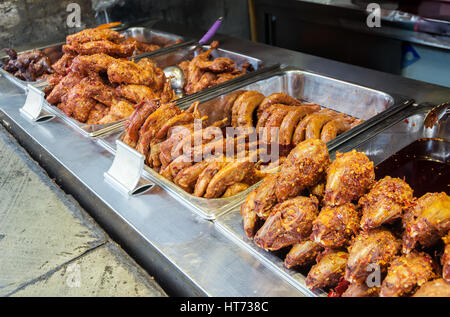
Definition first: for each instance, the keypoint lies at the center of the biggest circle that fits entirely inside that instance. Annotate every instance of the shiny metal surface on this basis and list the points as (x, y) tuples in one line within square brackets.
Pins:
[(168, 239)]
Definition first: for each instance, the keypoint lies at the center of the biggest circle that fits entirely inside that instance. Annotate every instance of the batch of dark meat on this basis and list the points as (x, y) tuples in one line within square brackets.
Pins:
[(361, 236)]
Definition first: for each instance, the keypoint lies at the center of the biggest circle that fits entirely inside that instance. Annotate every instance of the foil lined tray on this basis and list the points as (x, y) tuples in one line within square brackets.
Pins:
[(356, 100), (378, 144)]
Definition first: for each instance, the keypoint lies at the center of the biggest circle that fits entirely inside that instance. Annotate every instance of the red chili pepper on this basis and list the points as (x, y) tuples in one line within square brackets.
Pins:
[(339, 289)]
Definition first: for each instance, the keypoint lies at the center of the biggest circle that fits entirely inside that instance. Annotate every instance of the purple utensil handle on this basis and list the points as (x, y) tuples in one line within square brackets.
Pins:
[(207, 37)]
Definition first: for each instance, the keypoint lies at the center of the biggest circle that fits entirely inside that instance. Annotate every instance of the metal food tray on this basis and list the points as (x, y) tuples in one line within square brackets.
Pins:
[(338, 95), (378, 144), (54, 51)]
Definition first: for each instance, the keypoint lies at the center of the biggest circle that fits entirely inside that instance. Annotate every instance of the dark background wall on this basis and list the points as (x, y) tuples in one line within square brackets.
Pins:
[(25, 22)]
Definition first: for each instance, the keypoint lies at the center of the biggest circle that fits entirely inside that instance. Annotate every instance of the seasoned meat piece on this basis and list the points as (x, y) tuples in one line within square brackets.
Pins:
[(315, 125), (277, 98), (385, 202), (291, 120), (232, 173), (97, 113), (234, 189), (95, 34), (348, 178), (304, 167), (86, 64), (328, 270), (62, 65), (427, 221), (127, 72), (334, 127), (178, 164), (136, 93), (205, 177), (374, 248), (137, 118), (119, 110), (274, 121), (63, 87), (302, 254), (187, 177), (175, 135), (243, 107), (407, 273), (445, 259), (153, 124), (360, 289), (435, 288), (100, 47), (289, 222), (335, 226), (218, 65)]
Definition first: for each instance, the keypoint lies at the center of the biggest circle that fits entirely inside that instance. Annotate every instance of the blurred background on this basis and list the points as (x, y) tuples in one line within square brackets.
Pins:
[(413, 40)]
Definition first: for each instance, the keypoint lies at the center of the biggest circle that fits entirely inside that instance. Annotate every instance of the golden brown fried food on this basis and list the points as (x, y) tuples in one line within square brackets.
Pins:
[(427, 221), (187, 177), (435, 288), (100, 47), (119, 110), (137, 93), (234, 189), (334, 127), (243, 107), (302, 254), (128, 72), (63, 87), (369, 252), (94, 34), (218, 65), (385, 202), (315, 125), (153, 124), (304, 167), (135, 121), (206, 176), (231, 173), (62, 65), (291, 120), (407, 273), (445, 259), (328, 270), (277, 98), (335, 226), (348, 178), (289, 222), (86, 64), (97, 113), (360, 289)]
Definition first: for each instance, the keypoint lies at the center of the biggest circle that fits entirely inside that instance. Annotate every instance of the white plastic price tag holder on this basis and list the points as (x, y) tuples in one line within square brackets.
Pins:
[(125, 173), (33, 106)]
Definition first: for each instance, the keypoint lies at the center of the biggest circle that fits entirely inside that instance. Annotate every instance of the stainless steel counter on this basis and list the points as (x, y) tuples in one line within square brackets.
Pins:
[(187, 255)]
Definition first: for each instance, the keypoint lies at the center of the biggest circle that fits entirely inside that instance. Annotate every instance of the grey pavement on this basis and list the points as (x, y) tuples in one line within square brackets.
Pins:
[(49, 246)]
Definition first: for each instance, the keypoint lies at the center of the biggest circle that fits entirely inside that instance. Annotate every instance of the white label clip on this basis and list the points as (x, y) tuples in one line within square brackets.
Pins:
[(125, 172), (33, 105)]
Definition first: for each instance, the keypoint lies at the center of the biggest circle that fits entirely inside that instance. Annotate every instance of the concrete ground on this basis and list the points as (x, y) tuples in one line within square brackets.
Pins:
[(49, 246)]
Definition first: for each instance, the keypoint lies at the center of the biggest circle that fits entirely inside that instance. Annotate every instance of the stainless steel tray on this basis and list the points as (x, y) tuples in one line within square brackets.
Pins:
[(365, 103), (380, 143), (338, 95), (142, 34)]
